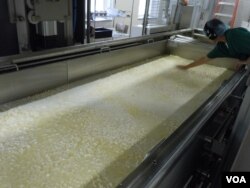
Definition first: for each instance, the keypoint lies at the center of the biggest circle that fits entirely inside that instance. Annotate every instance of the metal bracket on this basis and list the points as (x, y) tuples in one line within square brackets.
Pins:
[(9, 68), (150, 41), (105, 49), (17, 68)]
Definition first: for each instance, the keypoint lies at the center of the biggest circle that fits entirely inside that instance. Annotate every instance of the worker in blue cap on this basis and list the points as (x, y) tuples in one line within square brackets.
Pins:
[(232, 43)]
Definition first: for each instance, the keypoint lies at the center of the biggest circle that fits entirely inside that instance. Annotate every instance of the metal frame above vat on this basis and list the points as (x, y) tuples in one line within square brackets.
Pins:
[(37, 72)]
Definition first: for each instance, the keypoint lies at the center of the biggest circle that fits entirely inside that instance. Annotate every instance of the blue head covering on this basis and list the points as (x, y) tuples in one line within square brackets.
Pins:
[(215, 28)]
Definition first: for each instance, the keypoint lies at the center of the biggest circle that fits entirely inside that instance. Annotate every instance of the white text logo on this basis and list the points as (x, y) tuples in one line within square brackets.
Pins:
[(236, 179)]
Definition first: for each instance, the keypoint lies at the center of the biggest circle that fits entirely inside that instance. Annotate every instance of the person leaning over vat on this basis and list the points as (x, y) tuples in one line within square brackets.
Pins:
[(232, 43)]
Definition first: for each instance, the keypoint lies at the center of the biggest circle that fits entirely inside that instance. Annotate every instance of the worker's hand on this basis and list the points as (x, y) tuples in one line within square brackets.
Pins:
[(182, 67)]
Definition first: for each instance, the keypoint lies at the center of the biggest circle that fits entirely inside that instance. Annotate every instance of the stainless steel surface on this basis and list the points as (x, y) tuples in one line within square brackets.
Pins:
[(180, 45), (27, 82), (186, 16), (93, 64), (80, 48), (162, 168), (22, 25), (73, 67), (241, 137), (11, 9), (145, 18), (150, 29), (116, 89), (47, 28), (156, 170), (68, 24), (88, 20), (242, 162), (33, 80), (78, 66), (57, 10)]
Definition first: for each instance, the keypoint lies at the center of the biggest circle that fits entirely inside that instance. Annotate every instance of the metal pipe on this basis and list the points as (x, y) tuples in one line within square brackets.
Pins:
[(80, 21), (8, 68), (84, 22), (12, 11), (88, 20), (131, 18), (145, 18), (81, 48)]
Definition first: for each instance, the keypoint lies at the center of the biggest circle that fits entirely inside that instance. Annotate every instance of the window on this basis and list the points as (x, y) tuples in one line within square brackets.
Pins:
[(154, 6), (101, 5), (142, 5)]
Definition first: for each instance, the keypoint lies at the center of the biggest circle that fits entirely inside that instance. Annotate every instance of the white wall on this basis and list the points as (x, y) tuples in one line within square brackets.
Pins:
[(135, 20), (243, 13), (124, 6)]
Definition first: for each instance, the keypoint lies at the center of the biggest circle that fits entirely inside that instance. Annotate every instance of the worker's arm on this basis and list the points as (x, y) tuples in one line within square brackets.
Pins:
[(197, 62)]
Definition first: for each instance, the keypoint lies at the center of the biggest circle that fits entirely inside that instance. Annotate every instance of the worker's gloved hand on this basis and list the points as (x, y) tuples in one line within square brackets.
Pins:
[(182, 67)]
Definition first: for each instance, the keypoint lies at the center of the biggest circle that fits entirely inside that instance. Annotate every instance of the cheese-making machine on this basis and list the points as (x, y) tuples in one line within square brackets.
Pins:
[(212, 140)]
